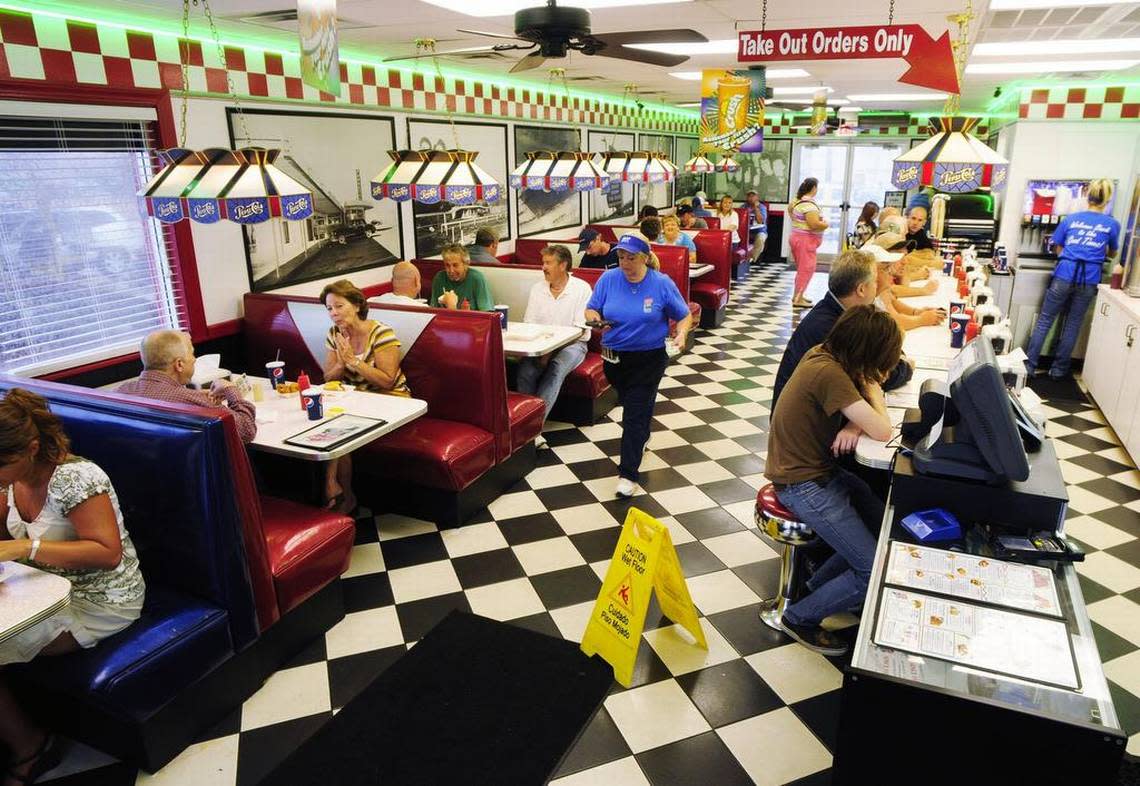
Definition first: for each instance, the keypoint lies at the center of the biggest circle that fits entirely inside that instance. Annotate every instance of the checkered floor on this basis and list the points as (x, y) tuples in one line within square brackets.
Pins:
[(756, 707)]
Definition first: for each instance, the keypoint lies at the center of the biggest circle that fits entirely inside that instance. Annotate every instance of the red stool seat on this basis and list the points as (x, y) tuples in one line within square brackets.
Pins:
[(769, 504)]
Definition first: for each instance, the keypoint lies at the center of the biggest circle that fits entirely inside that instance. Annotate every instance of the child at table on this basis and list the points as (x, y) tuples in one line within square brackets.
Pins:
[(61, 516)]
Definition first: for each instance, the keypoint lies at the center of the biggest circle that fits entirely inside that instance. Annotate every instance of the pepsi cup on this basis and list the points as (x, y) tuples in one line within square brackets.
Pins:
[(313, 399), (504, 311), (957, 306), (948, 267), (275, 370), (958, 324)]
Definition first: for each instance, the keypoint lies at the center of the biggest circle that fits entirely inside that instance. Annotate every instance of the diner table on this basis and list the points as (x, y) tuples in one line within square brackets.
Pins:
[(531, 340), (280, 417), (29, 596), (697, 270)]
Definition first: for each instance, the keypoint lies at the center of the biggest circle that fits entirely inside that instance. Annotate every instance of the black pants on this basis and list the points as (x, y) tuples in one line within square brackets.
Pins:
[(636, 379)]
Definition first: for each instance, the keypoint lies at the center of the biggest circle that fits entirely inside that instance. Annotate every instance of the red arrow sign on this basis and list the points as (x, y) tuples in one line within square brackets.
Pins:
[(931, 61)]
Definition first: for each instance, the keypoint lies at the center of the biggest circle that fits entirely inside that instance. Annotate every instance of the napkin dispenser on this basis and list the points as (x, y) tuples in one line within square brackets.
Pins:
[(918, 421)]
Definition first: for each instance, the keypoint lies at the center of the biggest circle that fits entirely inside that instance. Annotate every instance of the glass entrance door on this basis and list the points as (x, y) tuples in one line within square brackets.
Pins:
[(850, 174)]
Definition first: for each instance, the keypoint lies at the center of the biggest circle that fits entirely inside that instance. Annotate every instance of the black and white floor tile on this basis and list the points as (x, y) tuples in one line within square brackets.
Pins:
[(756, 708)]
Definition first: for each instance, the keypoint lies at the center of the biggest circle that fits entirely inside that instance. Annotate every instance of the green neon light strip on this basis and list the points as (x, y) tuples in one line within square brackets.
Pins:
[(157, 27)]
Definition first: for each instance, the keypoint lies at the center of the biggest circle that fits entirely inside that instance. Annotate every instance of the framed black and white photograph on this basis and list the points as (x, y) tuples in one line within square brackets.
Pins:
[(660, 195), (616, 199), (334, 156), (546, 211), (442, 223), (687, 183), (768, 173)]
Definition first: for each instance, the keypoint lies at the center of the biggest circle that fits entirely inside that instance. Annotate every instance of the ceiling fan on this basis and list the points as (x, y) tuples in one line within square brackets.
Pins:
[(553, 31)]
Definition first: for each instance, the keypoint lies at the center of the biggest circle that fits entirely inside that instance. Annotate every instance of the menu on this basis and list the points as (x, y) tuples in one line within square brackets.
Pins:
[(983, 579), (1018, 645)]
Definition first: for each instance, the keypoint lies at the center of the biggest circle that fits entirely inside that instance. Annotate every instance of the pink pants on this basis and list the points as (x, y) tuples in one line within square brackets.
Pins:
[(804, 245)]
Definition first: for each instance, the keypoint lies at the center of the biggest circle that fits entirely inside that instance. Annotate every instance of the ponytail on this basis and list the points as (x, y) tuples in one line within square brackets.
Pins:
[(24, 418), (1100, 192)]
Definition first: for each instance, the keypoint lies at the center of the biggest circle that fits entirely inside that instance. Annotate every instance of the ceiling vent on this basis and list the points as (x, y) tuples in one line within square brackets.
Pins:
[(286, 19)]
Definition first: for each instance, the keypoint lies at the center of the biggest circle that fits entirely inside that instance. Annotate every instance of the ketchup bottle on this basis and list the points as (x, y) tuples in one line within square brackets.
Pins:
[(465, 305), (302, 386), (972, 329)]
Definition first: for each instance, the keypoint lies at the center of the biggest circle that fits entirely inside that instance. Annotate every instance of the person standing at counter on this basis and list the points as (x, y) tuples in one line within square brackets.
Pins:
[(1083, 241), (757, 224), (457, 285), (834, 395), (639, 302), (808, 227)]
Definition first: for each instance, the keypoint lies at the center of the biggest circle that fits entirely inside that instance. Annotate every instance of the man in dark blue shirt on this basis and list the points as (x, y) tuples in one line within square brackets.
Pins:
[(599, 253), (851, 282)]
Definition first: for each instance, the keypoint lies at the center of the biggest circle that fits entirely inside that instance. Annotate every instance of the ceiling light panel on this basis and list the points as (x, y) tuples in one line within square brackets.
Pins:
[(1014, 5), (1073, 46), (1050, 66), (770, 74), (896, 97), (800, 91), (508, 7)]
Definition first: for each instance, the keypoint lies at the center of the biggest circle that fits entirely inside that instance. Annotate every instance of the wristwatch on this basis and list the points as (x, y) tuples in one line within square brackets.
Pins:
[(34, 549)]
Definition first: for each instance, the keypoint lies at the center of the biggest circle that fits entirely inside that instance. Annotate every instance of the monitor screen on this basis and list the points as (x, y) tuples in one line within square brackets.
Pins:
[(979, 395)]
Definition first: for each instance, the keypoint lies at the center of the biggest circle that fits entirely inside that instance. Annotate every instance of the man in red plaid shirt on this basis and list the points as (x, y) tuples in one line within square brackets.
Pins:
[(168, 366)]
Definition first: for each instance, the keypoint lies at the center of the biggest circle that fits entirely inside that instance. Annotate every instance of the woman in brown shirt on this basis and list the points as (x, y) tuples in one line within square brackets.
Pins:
[(833, 397)]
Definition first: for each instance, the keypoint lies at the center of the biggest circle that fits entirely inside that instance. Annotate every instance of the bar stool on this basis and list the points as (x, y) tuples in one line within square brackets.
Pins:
[(782, 526)]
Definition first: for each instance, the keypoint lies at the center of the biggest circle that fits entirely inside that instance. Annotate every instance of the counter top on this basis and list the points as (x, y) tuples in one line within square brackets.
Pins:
[(1119, 298)]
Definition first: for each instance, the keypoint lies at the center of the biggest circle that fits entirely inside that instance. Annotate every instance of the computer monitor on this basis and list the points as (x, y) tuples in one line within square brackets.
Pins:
[(983, 442)]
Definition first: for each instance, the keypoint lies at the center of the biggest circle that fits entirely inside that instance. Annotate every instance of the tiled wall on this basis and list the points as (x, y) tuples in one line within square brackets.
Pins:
[(1080, 103)]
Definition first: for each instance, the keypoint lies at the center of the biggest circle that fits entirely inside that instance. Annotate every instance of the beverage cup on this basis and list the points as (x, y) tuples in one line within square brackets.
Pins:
[(958, 324), (313, 399), (948, 267), (504, 312), (275, 370), (957, 306)]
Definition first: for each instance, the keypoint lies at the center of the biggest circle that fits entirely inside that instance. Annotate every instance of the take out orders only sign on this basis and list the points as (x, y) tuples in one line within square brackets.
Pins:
[(931, 61)]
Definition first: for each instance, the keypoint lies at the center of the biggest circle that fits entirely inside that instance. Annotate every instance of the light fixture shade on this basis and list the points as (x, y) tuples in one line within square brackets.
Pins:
[(210, 185), (953, 160), (669, 167), (639, 166), (727, 164), (699, 164), (431, 176), (615, 162), (534, 173)]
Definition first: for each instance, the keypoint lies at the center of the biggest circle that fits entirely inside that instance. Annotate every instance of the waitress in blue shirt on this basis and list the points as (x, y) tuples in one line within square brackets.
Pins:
[(639, 302), (1084, 241)]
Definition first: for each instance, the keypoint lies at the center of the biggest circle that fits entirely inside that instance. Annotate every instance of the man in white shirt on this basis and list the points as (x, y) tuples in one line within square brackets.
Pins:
[(405, 286), (559, 299)]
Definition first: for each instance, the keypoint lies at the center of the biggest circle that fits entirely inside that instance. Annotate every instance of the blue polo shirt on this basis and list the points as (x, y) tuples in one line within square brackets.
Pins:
[(1087, 239), (682, 240), (640, 312)]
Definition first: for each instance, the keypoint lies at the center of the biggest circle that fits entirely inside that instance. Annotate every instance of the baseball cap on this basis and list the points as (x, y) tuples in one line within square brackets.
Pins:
[(880, 254), (633, 244), (891, 241), (586, 238)]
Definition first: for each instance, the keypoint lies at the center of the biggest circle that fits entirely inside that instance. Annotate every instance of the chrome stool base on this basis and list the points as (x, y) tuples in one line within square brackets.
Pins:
[(777, 523), (772, 611)]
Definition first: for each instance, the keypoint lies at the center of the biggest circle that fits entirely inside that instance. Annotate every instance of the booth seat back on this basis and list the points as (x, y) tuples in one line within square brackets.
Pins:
[(376, 290), (528, 251), (170, 466), (609, 232), (742, 223), (675, 264), (714, 247), (712, 221)]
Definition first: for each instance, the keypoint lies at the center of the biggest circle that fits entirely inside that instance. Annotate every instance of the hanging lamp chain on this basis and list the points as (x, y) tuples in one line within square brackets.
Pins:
[(428, 45), (764, 15), (959, 47), (184, 52), (891, 14), (225, 65)]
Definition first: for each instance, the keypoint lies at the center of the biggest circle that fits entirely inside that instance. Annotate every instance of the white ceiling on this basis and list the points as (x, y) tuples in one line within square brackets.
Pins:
[(382, 28)]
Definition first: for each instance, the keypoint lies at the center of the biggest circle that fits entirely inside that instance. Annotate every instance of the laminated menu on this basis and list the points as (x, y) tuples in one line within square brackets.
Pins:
[(1019, 645), (983, 579)]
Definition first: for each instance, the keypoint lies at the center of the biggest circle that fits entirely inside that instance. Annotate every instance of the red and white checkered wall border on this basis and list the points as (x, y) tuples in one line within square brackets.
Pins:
[(1080, 103)]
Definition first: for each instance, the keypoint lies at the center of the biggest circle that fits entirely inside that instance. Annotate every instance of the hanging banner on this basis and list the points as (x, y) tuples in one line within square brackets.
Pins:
[(732, 110), (931, 61), (320, 59), (644, 562)]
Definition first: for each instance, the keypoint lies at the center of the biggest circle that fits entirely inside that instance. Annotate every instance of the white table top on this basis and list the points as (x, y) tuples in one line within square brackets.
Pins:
[(281, 417), (878, 455), (536, 340), (907, 395), (696, 271), (28, 596)]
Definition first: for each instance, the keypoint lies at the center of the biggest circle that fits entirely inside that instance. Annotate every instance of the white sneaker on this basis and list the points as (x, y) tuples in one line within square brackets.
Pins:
[(625, 487), (540, 442)]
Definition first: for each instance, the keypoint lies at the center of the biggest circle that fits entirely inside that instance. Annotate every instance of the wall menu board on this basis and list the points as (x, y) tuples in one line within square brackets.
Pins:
[(967, 576), (768, 173), (1018, 645)]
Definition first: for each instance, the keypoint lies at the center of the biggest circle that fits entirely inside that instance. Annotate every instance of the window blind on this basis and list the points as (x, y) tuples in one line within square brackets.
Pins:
[(84, 272)]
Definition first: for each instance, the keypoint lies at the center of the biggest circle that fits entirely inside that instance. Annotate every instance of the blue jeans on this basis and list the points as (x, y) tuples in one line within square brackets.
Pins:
[(546, 382), (1061, 293), (843, 511)]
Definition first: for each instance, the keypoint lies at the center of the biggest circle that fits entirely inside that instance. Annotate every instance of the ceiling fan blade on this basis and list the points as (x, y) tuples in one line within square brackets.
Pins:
[(533, 60), (641, 56), (488, 35), (681, 36), (472, 50)]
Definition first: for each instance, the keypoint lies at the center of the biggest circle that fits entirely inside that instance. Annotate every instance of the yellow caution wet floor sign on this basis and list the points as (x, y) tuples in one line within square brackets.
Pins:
[(643, 561)]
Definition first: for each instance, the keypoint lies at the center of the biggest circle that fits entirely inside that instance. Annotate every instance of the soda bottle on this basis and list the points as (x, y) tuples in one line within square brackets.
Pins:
[(302, 386)]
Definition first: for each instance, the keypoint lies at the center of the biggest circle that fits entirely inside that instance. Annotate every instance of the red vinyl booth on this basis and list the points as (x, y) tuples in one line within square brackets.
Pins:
[(714, 247), (475, 441)]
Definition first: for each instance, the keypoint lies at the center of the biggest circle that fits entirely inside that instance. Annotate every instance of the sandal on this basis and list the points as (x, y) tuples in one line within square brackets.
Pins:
[(46, 757)]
